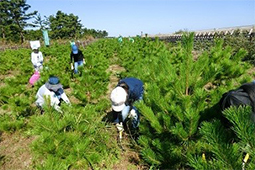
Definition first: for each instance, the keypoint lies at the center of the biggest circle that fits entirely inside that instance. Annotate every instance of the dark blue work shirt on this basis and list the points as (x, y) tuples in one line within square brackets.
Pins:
[(135, 91)]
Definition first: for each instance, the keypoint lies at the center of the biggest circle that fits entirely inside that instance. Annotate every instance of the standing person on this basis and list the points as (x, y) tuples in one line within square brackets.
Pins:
[(127, 91), (120, 39), (53, 91), (37, 59), (76, 57), (72, 43), (131, 39)]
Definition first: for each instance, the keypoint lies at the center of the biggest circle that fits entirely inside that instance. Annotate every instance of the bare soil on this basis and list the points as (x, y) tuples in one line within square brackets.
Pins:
[(15, 151), (114, 70)]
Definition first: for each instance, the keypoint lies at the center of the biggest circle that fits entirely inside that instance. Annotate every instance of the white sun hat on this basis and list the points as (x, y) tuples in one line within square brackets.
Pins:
[(118, 98), (35, 44)]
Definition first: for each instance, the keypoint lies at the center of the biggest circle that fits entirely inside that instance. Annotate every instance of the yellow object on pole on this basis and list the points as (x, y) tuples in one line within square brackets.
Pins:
[(203, 157), (120, 133), (246, 158)]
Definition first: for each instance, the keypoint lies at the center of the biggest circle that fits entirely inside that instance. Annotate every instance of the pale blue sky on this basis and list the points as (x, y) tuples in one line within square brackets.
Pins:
[(130, 17)]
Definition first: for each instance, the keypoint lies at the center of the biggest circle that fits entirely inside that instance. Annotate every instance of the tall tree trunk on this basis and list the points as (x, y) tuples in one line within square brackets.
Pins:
[(20, 31), (21, 37)]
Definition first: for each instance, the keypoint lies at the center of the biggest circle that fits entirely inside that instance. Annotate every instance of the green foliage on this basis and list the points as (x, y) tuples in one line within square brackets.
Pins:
[(244, 42), (72, 139), (179, 109), (10, 123), (236, 41), (179, 90), (64, 26), (222, 149), (77, 138), (95, 33), (15, 18), (243, 126)]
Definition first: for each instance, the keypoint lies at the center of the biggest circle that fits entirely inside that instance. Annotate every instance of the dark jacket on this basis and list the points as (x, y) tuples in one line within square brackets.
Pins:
[(76, 57), (135, 91), (244, 95)]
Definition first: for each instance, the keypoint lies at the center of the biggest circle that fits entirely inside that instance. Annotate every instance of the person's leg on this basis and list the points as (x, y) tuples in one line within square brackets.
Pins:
[(40, 68), (75, 67), (115, 116), (40, 108), (80, 64), (36, 68), (141, 96), (136, 118)]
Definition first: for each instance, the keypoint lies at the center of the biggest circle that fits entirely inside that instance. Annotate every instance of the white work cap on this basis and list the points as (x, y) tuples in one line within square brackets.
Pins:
[(118, 98)]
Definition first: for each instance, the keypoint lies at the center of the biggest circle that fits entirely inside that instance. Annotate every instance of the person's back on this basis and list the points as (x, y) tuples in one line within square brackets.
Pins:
[(243, 96), (127, 91), (43, 93), (53, 91), (135, 88)]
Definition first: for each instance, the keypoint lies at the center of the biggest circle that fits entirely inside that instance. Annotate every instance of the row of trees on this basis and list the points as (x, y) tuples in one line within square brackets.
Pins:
[(16, 23)]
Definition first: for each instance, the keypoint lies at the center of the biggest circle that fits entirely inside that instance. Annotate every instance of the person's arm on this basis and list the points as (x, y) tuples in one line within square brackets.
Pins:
[(71, 60), (65, 98), (54, 102), (71, 57), (52, 98), (84, 62), (33, 59), (41, 57), (81, 56)]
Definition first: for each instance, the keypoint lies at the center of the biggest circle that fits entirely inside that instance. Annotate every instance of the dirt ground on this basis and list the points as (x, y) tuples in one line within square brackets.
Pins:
[(114, 70), (15, 151)]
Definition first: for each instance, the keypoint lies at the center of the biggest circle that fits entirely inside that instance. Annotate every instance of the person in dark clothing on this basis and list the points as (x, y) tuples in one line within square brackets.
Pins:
[(77, 57), (242, 96), (127, 91)]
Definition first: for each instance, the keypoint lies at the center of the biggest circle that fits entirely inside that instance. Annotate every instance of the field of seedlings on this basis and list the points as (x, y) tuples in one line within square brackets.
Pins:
[(182, 126)]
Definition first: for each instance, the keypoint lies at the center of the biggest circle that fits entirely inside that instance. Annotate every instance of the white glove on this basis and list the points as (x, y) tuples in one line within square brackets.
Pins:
[(120, 127), (84, 62), (71, 66), (132, 113)]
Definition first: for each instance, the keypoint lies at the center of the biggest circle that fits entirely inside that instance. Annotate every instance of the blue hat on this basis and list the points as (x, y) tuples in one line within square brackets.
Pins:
[(53, 80), (75, 49), (53, 84)]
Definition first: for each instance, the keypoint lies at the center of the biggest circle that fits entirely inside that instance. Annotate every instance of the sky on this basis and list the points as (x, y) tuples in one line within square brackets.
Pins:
[(136, 17)]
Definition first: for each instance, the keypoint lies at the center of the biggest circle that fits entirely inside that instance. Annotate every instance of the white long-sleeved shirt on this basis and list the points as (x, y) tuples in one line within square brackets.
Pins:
[(43, 93), (37, 58)]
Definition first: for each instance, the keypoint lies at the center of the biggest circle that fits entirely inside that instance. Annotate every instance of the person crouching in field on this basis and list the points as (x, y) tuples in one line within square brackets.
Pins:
[(53, 91), (78, 58), (37, 59), (242, 96), (123, 96)]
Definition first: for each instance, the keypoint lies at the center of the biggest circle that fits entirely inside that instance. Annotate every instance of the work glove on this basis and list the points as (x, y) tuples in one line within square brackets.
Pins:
[(84, 62), (132, 113), (120, 127), (71, 66)]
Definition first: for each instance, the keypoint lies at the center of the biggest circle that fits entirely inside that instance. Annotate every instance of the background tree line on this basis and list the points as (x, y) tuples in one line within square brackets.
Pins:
[(17, 24)]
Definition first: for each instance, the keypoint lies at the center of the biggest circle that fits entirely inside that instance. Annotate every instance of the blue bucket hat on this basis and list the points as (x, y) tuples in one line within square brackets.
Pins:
[(75, 49), (53, 84), (53, 80)]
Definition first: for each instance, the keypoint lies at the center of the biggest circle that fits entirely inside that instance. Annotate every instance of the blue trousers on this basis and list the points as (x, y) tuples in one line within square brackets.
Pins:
[(125, 113), (76, 65)]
